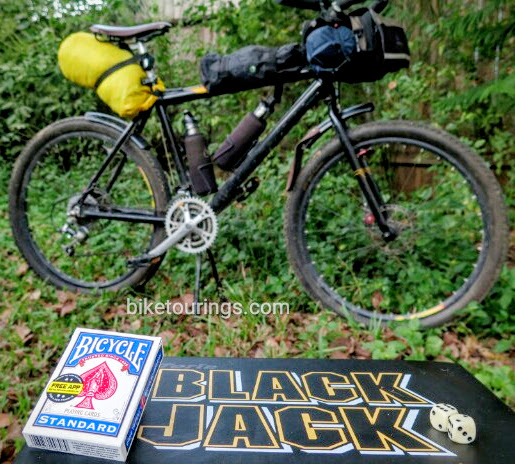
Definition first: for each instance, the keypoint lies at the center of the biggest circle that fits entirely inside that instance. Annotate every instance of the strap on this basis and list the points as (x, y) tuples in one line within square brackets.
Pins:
[(357, 28), (132, 60)]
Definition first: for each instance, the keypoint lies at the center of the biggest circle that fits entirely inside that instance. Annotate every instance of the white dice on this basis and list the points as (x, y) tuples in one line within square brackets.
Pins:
[(439, 416), (462, 429)]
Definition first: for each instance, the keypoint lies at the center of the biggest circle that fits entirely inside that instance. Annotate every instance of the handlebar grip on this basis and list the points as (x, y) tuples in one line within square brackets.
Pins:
[(344, 4), (380, 5)]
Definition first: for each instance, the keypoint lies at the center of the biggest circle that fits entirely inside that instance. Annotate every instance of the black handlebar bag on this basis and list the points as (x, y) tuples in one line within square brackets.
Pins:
[(380, 47)]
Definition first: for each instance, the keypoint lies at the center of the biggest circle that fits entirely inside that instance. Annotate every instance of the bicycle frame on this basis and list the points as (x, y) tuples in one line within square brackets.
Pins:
[(319, 90)]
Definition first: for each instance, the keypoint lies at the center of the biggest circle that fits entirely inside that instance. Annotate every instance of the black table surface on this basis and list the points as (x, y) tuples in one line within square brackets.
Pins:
[(264, 411)]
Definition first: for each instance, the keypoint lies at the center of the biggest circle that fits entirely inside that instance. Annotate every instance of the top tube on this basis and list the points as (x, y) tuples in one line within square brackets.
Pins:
[(178, 95)]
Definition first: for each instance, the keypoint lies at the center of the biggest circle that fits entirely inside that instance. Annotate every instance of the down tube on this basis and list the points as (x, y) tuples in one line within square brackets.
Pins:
[(254, 158)]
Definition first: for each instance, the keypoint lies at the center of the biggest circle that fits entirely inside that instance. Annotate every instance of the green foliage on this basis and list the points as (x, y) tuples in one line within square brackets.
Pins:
[(444, 86), (500, 379), (33, 93), (495, 316)]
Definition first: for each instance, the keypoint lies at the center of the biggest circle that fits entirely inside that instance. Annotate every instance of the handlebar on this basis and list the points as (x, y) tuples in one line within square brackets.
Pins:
[(337, 5), (378, 6)]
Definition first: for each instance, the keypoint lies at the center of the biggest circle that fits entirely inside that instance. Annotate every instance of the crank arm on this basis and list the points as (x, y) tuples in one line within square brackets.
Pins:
[(165, 245)]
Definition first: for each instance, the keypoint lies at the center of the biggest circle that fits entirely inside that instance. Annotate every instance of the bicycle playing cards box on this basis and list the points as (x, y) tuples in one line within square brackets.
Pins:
[(95, 398)]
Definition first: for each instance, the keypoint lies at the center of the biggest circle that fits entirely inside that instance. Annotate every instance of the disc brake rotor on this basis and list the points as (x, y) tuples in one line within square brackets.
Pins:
[(403, 221)]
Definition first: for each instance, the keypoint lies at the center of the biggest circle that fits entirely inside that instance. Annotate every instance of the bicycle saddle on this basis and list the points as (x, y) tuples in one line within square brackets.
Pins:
[(141, 32)]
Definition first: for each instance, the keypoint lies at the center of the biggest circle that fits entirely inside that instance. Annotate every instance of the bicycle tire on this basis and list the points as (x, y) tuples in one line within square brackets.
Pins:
[(19, 223), (467, 162)]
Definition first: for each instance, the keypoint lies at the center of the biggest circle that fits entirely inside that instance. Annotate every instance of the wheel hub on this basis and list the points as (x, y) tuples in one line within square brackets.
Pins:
[(399, 219)]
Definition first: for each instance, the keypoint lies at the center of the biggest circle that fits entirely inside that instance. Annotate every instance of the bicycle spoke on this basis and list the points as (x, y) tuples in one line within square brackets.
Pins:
[(350, 255), (102, 246)]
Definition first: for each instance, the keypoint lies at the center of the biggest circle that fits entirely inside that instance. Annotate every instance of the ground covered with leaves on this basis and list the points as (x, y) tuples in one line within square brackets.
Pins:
[(36, 320)]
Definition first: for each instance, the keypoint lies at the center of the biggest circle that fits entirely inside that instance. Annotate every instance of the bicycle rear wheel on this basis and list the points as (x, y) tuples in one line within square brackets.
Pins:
[(442, 199), (49, 177)]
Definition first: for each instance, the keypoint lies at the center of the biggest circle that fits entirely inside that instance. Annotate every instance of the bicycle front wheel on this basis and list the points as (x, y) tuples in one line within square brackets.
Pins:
[(440, 197), (47, 182)]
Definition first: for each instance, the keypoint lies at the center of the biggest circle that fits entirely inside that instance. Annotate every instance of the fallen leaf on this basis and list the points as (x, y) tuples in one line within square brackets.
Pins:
[(339, 355), (168, 335), (114, 311), (389, 335), (67, 308), (256, 351), (195, 331), (348, 345), (188, 298), (23, 332), (5, 420), (136, 325), (362, 353), (63, 296), (5, 316), (220, 352), (179, 306), (259, 353), (35, 295), (67, 302), (14, 430), (12, 395), (271, 343), (377, 299), (22, 269), (450, 338)]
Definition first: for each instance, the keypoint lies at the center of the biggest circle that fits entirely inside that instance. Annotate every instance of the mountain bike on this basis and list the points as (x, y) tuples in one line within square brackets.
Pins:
[(391, 220)]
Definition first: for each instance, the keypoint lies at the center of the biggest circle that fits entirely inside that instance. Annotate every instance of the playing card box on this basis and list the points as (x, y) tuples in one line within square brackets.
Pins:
[(95, 398)]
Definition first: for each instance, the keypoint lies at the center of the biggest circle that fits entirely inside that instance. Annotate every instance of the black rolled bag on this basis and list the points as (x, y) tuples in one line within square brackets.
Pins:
[(253, 67)]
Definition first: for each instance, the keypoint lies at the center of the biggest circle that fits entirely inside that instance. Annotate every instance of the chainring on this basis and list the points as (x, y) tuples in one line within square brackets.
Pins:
[(203, 234)]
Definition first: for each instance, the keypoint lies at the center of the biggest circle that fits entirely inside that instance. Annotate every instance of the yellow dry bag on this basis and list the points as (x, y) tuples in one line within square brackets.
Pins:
[(83, 60)]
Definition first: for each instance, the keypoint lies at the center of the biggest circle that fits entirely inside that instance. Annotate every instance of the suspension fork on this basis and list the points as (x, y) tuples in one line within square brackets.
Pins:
[(362, 171)]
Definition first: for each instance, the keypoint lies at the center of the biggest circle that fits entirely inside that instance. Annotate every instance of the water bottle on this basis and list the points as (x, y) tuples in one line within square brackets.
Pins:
[(199, 163)]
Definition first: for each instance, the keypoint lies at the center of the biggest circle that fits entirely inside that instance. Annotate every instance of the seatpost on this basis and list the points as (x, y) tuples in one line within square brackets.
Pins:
[(147, 63)]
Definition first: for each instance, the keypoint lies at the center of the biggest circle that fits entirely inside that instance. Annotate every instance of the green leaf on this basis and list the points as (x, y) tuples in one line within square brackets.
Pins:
[(433, 346), (503, 345)]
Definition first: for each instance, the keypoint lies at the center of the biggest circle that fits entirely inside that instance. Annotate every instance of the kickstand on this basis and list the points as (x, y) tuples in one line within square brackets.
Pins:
[(214, 270), (198, 279)]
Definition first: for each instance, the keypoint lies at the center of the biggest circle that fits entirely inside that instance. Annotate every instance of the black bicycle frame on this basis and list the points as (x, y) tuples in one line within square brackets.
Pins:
[(319, 90)]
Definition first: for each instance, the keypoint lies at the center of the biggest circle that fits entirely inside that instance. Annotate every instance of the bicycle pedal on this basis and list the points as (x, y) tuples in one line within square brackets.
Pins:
[(248, 189)]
